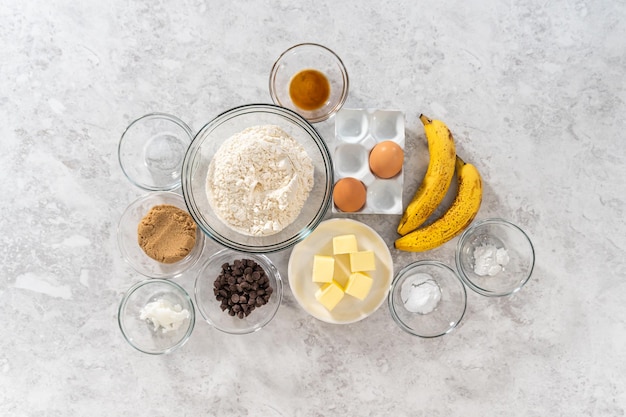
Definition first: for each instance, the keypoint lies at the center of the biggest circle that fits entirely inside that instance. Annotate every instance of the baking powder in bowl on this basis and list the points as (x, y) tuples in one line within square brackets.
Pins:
[(489, 260), (259, 180), (420, 294)]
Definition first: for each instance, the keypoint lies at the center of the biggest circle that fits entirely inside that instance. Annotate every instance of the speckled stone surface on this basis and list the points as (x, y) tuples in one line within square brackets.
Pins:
[(535, 95)]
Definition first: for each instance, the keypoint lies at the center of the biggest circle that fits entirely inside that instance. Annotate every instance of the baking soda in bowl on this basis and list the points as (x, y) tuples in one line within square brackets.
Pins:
[(420, 294)]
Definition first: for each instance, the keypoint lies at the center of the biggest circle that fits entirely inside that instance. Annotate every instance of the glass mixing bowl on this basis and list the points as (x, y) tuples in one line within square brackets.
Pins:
[(211, 137)]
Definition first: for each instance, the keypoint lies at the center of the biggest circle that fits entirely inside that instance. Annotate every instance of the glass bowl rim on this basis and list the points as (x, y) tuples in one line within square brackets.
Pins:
[(180, 290), (401, 274), (286, 113), (478, 289)]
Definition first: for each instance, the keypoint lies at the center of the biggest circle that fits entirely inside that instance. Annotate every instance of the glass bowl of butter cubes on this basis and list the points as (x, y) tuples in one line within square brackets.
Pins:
[(156, 316), (341, 272)]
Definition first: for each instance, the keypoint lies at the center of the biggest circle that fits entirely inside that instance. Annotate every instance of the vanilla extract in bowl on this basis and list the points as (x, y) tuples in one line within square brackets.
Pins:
[(309, 89)]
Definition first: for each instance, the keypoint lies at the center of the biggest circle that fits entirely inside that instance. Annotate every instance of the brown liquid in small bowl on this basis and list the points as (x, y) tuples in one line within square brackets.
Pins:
[(309, 89)]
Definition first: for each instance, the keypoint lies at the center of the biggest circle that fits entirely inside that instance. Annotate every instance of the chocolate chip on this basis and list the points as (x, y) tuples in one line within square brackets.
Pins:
[(241, 287)]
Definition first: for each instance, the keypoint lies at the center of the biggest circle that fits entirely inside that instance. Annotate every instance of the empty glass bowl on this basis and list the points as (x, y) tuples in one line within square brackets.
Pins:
[(427, 299), (142, 333), (127, 237), (290, 67), (210, 307), (495, 257), (151, 151)]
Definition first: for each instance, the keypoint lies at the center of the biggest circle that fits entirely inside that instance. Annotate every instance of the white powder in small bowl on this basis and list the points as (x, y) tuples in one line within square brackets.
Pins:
[(164, 315), (259, 180), (420, 294), (489, 260)]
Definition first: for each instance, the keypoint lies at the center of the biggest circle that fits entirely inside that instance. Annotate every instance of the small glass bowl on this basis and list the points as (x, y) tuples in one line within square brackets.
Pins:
[(209, 306), (151, 151), (496, 233), (129, 245), (309, 56), (141, 334), (448, 311)]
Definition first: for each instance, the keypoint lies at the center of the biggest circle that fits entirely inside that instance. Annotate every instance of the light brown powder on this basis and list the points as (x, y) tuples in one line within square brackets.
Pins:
[(167, 234)]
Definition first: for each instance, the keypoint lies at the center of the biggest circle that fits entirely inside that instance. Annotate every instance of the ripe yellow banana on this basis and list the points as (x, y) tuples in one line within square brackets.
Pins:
[(455, 220), (437, 179)]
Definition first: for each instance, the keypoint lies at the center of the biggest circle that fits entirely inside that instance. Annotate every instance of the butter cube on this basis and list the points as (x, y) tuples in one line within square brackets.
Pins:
[(359, 285), (342, 269), (323, 268), (344, 244), (362, 261), (329, 295)]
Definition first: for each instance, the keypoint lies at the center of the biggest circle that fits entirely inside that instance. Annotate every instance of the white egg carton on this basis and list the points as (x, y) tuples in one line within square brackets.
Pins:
[(357, 131)]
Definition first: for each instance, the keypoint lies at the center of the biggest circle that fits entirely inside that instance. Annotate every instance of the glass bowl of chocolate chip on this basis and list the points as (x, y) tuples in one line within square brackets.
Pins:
[(238, 293)]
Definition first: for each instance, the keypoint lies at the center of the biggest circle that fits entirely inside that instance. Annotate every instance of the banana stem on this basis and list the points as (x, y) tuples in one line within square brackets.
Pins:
[(459, 163), (425, 120)]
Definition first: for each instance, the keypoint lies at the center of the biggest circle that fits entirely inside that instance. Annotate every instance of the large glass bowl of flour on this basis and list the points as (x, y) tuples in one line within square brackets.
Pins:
[(257, 178)]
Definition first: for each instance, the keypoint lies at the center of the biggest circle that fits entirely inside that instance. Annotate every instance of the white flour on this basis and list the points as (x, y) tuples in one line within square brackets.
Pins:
[(258, 180)]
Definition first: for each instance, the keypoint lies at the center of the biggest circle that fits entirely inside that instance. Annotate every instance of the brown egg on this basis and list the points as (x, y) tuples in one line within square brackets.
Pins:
[(349, 194), (386, 159)]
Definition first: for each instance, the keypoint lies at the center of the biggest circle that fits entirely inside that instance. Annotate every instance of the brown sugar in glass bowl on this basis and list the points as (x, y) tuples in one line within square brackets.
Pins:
[(128, 240), (166, 233)]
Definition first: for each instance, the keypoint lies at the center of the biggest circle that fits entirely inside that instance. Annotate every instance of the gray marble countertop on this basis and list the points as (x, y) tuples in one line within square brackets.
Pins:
[(535, 95)]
